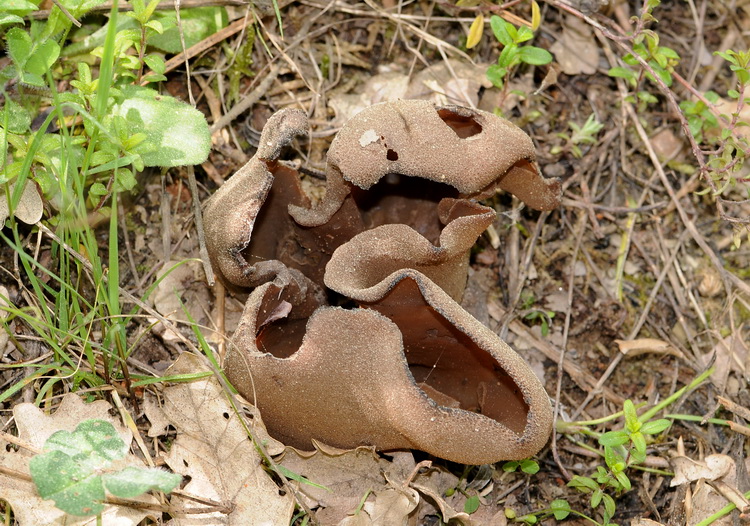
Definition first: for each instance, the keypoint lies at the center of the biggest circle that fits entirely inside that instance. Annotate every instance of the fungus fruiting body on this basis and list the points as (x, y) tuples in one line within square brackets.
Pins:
[(352, 333)]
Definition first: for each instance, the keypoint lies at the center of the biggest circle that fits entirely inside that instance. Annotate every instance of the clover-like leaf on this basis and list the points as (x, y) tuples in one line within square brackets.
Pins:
[(132, 481), (96, 440), (71, 484)]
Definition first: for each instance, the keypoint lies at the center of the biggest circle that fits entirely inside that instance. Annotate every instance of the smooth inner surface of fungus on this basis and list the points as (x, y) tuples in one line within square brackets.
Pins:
[(279, 327), (447, 361), (276, 236), (465, 126)]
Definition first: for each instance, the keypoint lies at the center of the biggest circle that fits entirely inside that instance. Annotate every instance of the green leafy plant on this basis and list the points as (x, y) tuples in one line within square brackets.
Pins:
[(699, 115), (732, 149), (513, 53), (534, 314), (528, 466), (621, 449), (715, 143), (75, 469), (95, 140), (661, 59), (579, 135)]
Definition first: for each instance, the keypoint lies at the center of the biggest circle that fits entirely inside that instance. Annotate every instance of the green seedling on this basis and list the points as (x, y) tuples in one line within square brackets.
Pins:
[(513, 53), (534, 314), (585, 134), (661, 59), (528, 466), (96, 138)]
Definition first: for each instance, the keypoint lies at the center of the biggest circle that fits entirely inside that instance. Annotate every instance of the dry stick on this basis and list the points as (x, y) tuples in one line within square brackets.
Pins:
[(203, 45), (520, 278), (247, 101), (197, 216), (67, 13), (15, 474), (128, 247), (563, 350)]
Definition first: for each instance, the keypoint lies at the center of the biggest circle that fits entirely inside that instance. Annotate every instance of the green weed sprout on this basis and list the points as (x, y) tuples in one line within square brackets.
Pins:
[(585, 134), (75, 469), (513, 53)]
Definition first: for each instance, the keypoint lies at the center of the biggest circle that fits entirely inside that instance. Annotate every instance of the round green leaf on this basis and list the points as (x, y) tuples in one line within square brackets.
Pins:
[(176, 133), (535, 56), (560, 508), (529, 466), (471, 505)]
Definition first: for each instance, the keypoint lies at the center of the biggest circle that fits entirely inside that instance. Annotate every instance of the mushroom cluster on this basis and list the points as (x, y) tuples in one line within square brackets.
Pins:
[(352, 333)]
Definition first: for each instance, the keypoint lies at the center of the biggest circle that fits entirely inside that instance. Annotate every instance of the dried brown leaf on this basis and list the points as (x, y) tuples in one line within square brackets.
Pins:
[(29, 208), (347, 475), (393, 506), (646, 345), (214, 451), (713, 467), (576, 51)]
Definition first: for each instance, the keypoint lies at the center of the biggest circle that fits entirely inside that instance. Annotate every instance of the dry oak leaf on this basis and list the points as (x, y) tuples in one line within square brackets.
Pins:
[(221, 461), (434, 484), (715, 479), (393, 506), (346, 476), (713, 467), (34, 428), (576, 51)]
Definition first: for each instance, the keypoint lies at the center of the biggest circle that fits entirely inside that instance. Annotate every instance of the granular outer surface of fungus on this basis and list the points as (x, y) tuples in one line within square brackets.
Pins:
[(352, 333)]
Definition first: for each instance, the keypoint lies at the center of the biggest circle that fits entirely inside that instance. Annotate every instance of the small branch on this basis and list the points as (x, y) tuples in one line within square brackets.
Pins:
[(67, 13), (15, 474), (19, 442)]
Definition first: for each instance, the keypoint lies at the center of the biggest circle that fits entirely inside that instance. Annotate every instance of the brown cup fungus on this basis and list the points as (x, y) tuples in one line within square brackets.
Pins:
[(352, 334)]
